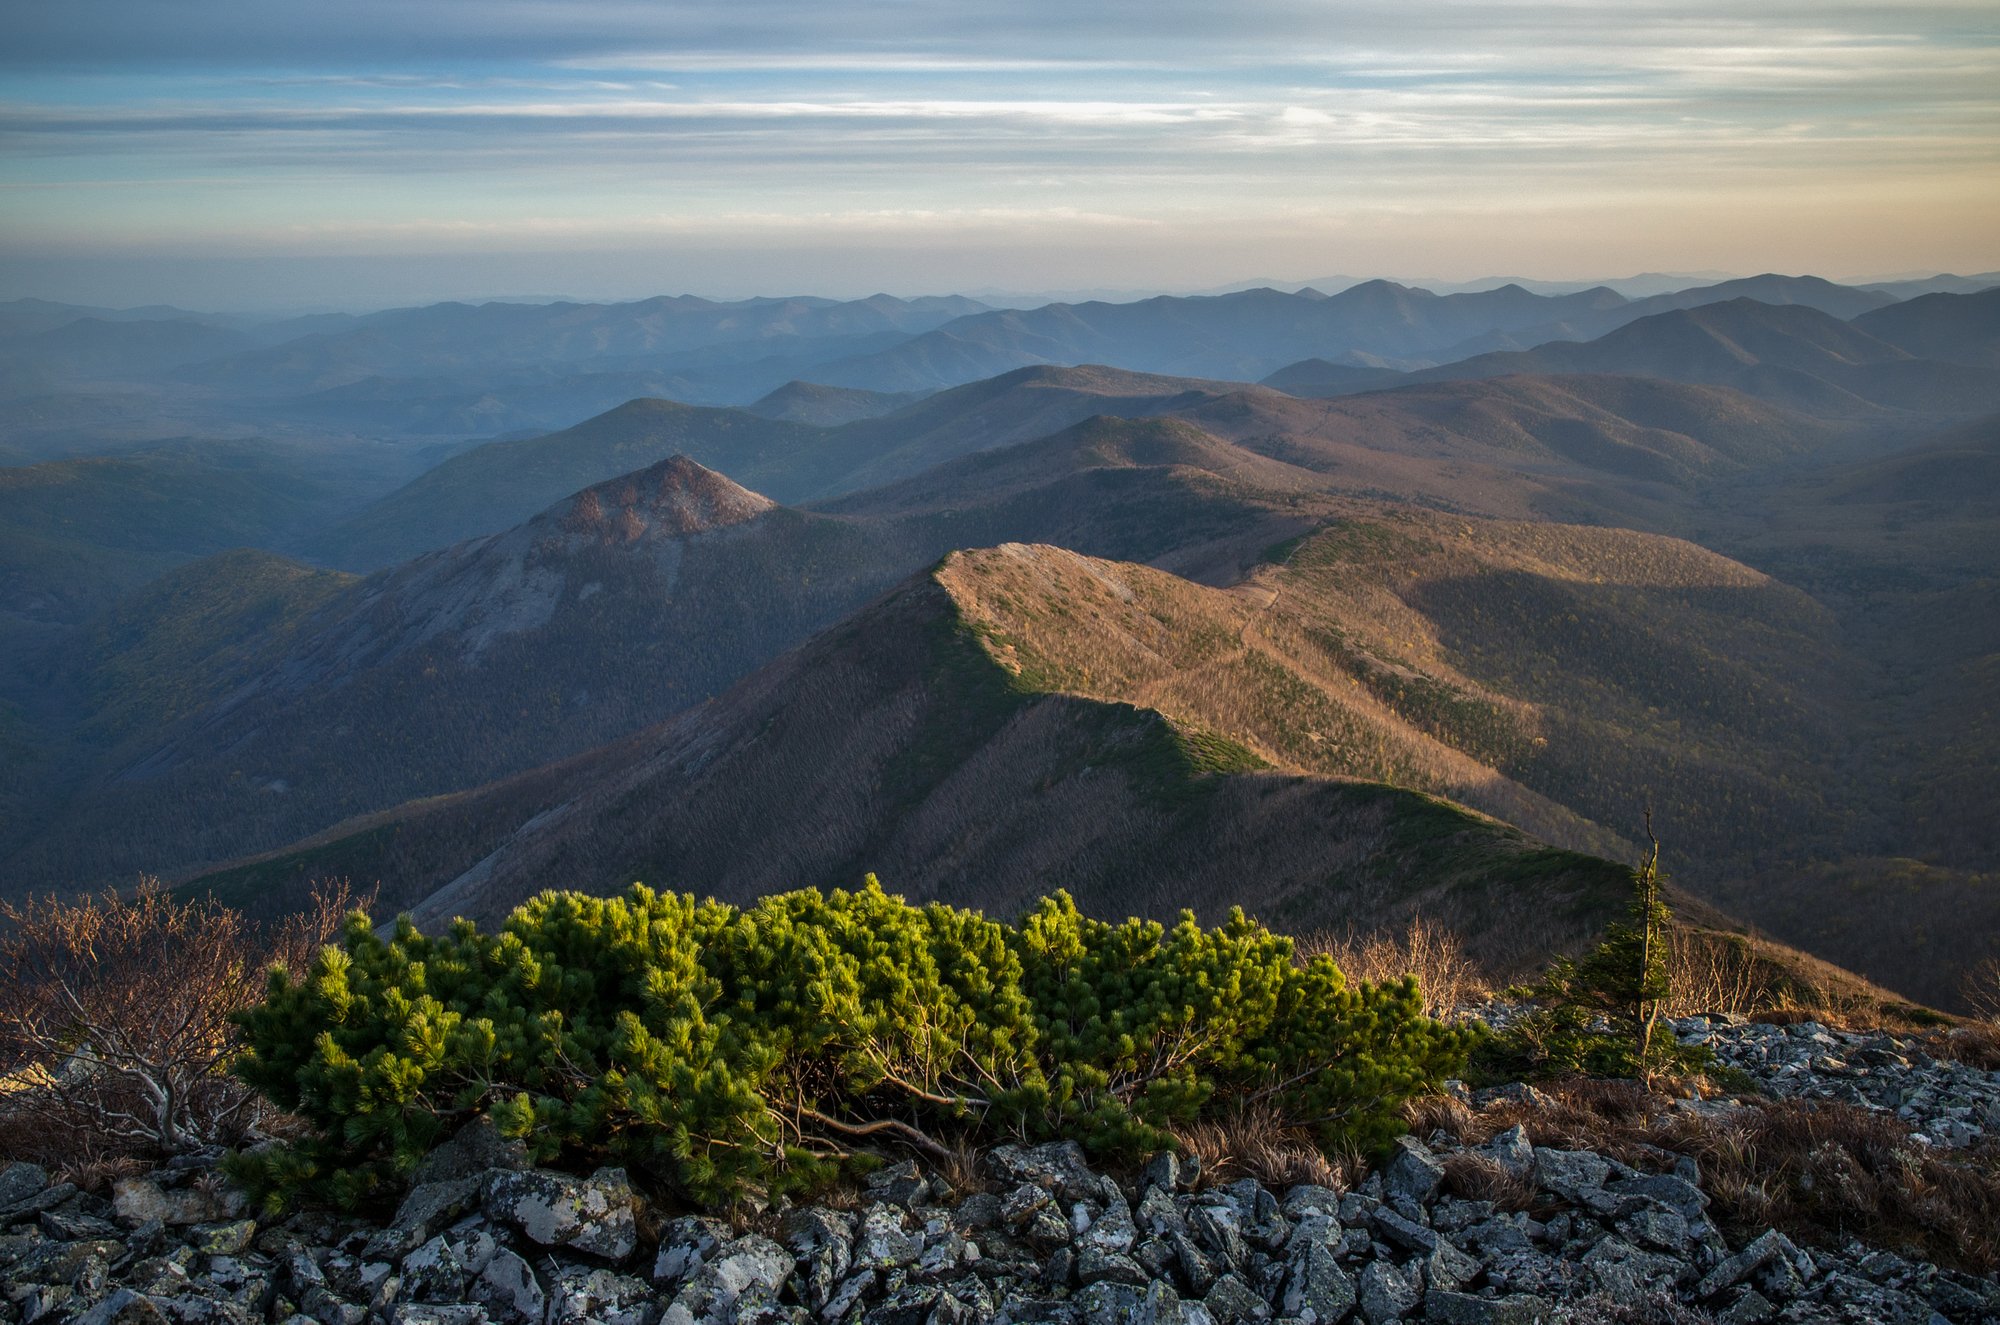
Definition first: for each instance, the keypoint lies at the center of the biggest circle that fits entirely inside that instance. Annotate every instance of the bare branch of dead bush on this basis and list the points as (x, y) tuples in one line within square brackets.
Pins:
[(1449, 980), (1257, 1143), (115, 1021), (1980, 988)]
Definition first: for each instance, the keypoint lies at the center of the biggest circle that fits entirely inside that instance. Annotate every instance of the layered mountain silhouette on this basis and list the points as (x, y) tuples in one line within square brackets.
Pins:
[(1530, 438), (1951, 328), (448, 338), (1791, 355)]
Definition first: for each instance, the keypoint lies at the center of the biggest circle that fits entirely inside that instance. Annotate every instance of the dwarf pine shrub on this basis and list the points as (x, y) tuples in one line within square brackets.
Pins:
[(724, 1050)]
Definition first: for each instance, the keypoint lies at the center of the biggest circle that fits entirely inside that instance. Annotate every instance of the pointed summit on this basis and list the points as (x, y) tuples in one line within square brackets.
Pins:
[(672, 499)]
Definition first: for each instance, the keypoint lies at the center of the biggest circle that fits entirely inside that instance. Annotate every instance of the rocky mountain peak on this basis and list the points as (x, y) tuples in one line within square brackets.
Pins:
[(672, 499)]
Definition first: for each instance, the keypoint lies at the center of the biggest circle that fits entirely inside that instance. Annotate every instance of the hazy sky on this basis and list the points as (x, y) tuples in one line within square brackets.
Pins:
[(242, 152)]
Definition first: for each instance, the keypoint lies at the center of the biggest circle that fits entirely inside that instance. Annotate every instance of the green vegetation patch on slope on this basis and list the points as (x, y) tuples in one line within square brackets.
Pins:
[(74, 534), (183, 640), (725, 1052)]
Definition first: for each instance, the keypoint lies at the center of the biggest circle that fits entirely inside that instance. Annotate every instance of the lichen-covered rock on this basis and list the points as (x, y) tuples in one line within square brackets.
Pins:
[(438, 1314), (124, 1307), (507, 1287), (686, 1243), (882, 1243), (1570, 1174), (1108, 1303), (1771, 1249), (1317, 1290), (1413, 1172), (592, 1295), (1059, 1168), (822, 1244), (597, 1215), (1385, 1293), (747, 1273), (472, 1152), (1229, 1301), (20, 1181), (141, 1200), (1055, 1241), (1511, 1151)]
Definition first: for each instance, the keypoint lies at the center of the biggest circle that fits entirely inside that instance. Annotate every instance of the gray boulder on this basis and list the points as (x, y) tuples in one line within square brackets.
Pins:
[(1386, 1294), (686, 1243), (1317, 1290), (597, 1215), (589, 1295), (746, 1274), (1413, 1172), (1464, 1309), (507, 1287), (1058, 1167)]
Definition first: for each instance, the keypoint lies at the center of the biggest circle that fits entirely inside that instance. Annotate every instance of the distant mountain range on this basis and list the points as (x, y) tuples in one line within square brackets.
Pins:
[(1391, 632), (481, 370), (1793, 355)]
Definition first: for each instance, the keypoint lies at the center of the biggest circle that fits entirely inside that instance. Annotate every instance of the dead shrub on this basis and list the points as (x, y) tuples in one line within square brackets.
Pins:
[(1710, 972), (1450, 981), (115, 1023), (1834, 1171), (1980, 987), (1257, 1143), (1976, 1044)]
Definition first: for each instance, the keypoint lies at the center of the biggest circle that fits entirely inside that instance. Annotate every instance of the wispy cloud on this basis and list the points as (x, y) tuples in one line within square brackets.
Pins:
[(481, 120)]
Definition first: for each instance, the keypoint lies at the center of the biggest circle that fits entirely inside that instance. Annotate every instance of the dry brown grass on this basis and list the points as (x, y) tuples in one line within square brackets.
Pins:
[(116, 1030), (961, 1168), (1474, 1177), (1257, 1143), (1450, 981), (1821, 1171)]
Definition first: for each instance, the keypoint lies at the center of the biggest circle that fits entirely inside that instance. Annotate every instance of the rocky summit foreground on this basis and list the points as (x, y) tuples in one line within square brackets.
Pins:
[(1037, 1234)]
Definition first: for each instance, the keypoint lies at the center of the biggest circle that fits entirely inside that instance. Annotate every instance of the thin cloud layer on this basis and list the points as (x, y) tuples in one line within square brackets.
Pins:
[(1224, 139)]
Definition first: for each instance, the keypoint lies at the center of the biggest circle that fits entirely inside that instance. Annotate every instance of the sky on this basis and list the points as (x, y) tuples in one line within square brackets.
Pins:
[(274, 153)]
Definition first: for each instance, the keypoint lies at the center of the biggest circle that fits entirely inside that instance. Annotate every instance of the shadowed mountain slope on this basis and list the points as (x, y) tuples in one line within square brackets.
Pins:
[(1247, 334), (960, 777), (1788, 355), (96, 348), (1015, 686), (618, 606), (163, 652), (828, 406), (74, 534), (1951, 328)]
